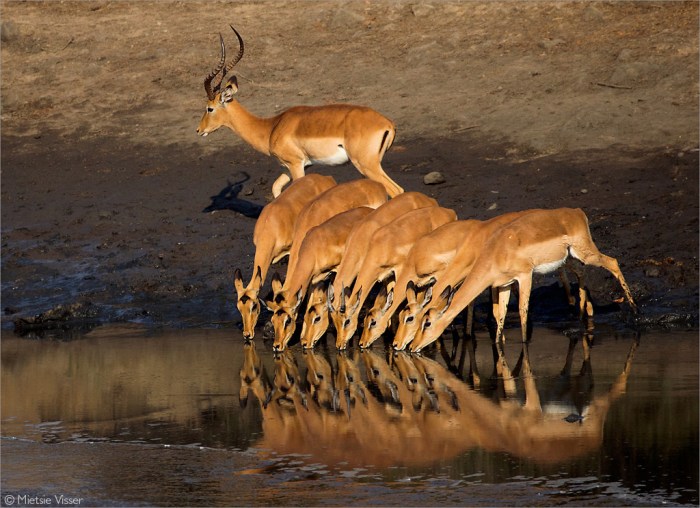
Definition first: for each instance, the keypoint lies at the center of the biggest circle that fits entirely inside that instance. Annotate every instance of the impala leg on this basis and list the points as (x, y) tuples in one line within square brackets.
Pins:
[(532, 397), (469, 327), (502, 370), (567, 286), (378, 174), (500, 297), (372, 169), (296, 170), (585, 306), (613, 267), (590, 255), (279, 184), (524, 287), (473, 368)]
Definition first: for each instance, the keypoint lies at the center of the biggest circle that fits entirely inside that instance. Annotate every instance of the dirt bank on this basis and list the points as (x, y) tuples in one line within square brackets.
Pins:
[(109, 197)]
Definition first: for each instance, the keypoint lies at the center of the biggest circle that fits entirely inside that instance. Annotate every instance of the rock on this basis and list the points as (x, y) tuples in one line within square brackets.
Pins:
[(433, 178), (421, 9), (9, 31), (75, 317)]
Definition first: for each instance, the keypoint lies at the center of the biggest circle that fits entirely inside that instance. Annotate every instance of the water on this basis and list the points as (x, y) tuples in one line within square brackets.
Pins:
[(128, 417)]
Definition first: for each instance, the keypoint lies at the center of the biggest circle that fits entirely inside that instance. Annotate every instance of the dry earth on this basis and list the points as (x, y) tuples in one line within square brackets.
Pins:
[(107, 192)]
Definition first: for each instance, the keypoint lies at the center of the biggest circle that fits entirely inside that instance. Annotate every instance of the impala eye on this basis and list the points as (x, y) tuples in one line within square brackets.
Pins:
[(346, 323), (372, 323), (210, 110), (316, 319), (409, 319)]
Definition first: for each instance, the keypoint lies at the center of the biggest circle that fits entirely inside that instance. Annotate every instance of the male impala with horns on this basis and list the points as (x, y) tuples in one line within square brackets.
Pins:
[(301, 135)]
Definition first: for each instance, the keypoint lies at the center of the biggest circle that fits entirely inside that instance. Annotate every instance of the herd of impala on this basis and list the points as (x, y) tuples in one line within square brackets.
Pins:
[(344, 239)]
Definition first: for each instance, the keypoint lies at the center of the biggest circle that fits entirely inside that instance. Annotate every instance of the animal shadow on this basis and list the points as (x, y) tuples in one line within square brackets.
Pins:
[(227, 199)]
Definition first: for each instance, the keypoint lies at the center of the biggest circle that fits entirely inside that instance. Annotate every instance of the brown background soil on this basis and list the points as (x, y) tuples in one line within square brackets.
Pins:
[(519, 105)]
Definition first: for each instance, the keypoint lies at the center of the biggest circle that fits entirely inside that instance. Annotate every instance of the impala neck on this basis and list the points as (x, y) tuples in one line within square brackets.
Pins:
[(253, 130)]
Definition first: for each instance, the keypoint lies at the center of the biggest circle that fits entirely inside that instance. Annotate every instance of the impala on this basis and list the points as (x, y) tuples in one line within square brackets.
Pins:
[(538, 242), (387, 252), (430, 261), (302, 135), (316, 317), (320, 252), (458, 265), (272, 237)]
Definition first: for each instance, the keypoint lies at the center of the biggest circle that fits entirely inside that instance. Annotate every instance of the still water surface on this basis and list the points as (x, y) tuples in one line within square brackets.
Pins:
[(127, 417)]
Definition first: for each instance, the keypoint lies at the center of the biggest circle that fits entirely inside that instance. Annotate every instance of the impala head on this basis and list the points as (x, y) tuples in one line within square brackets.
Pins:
[(284, 317), (250, 373), (217, 96), (413, 378), (380, 375), (319, 377), (248, 303), (286, 389), (348, 380), (410, 316), (345, 316), (431, 326), (377, 319), (316, 318)]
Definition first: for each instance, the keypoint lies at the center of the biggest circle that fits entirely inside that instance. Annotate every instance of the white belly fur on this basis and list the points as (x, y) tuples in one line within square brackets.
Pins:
[(339, 156), (550, 267)]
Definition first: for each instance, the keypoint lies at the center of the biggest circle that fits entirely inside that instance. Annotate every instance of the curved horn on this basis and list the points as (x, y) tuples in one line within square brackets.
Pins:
[(211, 93), (240, 52), (230, 65)]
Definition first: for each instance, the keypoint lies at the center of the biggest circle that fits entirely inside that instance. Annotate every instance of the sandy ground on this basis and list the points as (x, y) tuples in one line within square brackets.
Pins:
[(109, 197)]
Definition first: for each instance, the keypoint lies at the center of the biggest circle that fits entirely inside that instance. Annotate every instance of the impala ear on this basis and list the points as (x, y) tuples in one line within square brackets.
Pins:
[(446, 299), (300, 297), (427, 297), (388, 298), (276, 283), (356, 305), (411, 291), (229, 90), (331, 296), (258, 276), (238, 281)]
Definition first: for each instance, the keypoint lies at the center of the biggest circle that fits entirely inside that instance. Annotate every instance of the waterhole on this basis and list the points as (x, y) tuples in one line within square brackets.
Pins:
[(124, 416)]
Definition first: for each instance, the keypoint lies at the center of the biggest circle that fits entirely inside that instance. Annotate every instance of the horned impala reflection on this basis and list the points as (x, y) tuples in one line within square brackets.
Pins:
[(363, 407)]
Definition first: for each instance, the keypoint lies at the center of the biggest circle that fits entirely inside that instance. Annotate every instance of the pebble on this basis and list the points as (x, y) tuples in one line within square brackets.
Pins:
[(652, 271), (9, 31), (433, 178)]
